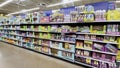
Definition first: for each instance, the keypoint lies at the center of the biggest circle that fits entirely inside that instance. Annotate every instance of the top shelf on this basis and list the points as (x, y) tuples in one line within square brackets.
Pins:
[(68, 23)]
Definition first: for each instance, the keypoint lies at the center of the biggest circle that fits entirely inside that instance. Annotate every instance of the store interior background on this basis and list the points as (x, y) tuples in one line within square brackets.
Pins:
[(22, 5), (25, 6)]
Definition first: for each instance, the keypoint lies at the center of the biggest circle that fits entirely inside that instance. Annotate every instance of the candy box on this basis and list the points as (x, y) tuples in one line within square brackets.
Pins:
[(45, 42), (103, 65), (110, 58), (98, 29), (88, 61), (45, 19), (81, 17), (85, 29), (112, 29), (87, 36), (80, 52), (81, 36), (110, 39), (101, 38), (89, 17), (44, 28), (87, 53), (110, 48), (95, 63), (96, 55), (93, 37), (68, 46), (97, 46), (79, 44), (88, 45), (55, 52)]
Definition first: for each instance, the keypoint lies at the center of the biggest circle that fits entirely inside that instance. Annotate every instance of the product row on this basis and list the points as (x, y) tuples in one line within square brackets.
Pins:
[(88, 45), (96, 56), (76, 14), (52, 44), (48, 36), (101, 29), (95, 63), (98, 38), (97, 29), (62, 50)]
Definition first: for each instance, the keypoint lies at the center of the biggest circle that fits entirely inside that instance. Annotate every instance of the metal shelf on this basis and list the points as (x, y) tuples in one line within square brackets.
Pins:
[(98, 41), (94, 59), (85, 64), (97, 34), (97, 51)]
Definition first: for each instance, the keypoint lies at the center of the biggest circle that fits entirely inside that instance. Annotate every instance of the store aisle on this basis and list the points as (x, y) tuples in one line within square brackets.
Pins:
[(15, 57)]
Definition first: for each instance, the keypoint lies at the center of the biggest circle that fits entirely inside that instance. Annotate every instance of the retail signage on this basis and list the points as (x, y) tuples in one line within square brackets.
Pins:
[(48, 12), (100, 5), (111, 5), (23, 15), (67, 11)]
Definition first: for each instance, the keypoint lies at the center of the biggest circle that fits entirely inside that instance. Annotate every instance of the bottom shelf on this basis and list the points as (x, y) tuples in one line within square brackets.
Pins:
[(85, 64), (56, 56), (48, 54), (94, 63)]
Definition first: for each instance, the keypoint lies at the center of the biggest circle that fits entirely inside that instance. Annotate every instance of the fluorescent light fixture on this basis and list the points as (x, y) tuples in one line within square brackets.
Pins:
[(63, 2), (22, 0), (28, 10), (55, 10), (117, 1), (5, 3), (54, 4), (23, 11)]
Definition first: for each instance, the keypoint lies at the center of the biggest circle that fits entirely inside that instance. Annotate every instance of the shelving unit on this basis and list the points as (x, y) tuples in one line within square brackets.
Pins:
[(86, 41), (59, 49)]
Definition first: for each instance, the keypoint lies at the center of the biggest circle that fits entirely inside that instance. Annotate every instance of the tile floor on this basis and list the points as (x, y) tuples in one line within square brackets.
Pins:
[(15, 57)]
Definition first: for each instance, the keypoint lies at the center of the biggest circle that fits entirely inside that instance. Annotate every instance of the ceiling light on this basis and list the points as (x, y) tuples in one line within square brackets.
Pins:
[(5, 3), (117, 1), (23, 11), (63, 2), (21, 0), (66, 1)]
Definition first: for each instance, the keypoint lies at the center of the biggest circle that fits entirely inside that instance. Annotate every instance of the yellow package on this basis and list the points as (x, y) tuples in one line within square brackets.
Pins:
[(118, 41), (118, 55), (88, 60), (113, 15)]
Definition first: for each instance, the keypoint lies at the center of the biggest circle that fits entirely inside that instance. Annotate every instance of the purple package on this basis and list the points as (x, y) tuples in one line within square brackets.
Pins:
[(110, 58), (112, 65), (99, 56), (94, 55), (103, 57), (97, 46), (103, 65), (110, 48)]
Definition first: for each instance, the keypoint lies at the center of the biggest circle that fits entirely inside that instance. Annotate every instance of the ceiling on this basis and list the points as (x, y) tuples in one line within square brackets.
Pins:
[(17, 5)]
